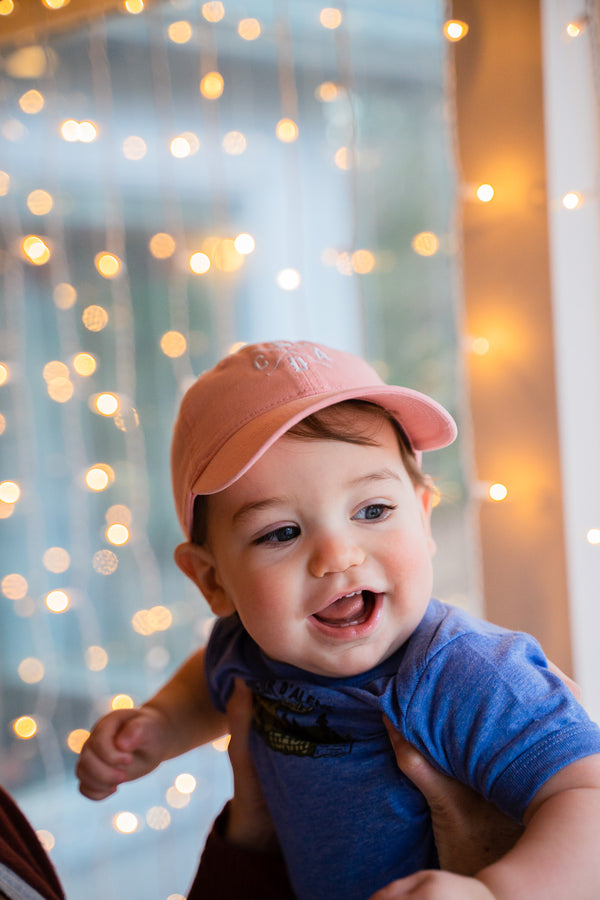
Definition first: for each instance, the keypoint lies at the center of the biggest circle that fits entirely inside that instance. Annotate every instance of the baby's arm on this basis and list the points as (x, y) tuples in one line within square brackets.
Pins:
[(556, 857), (129, 743)]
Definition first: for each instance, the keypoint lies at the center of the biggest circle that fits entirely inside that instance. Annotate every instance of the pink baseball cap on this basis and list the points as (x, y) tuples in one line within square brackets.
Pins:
[(234, 412)]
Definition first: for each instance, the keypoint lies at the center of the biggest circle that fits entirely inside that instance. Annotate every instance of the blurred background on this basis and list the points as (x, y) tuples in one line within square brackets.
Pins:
[(416, 182)]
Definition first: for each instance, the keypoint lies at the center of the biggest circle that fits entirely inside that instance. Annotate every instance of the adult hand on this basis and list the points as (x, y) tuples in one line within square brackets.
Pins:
[(433, 885), (249, 824), (470, 833)]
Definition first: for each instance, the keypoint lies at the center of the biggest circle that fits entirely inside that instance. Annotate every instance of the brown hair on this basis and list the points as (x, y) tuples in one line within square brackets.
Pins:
[(345, 421)]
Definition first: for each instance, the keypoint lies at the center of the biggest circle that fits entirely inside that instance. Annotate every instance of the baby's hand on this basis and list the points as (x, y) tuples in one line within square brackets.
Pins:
[(123, 745), (433, 885)]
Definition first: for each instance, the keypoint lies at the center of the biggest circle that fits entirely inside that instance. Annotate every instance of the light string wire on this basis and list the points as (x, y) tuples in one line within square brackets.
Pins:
[(150, 580), (80, 549), (343, 53), (466, 445), (294, 206), (23, 411), (222, 290), (163, 102)]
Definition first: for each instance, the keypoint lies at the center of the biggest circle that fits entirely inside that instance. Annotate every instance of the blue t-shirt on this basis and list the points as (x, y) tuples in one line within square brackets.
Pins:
[(478, 701)]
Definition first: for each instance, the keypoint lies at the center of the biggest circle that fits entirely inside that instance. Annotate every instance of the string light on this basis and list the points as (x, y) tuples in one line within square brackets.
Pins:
[(10, 491), (363, 261), (35, 249), (327, 92), (106, 404), (56, 560), (212, 85), (122, 701), (426, 243), (134, 7), (6, 7), (83, 132), (14, 586), (107, 264), (94, 317), (125, 822), (162, 245), (249, 29), (480, 346), (498, 492), (572, 200), (31, 670), (575, 28), (455, 30), (234, 143), (76, 739), (213, 11), (344, 158), (185, 783), (4, 183), (39, 202), (286, 130), (288, 279), (173, 344), (57, 601), (117, 534), (64, 295), (593, 536), (199, 263), (96, 658), (56, 4), (485, 193), (134, 148), (46, 839), (330, 17), (4, 373), (158, 818), (180, 32), (99, 477), (84, 364), (244, 244), (31, 102), (25, 727)]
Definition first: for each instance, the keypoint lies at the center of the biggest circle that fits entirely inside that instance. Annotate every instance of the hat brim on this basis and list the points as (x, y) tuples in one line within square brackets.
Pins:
[(426, 423)]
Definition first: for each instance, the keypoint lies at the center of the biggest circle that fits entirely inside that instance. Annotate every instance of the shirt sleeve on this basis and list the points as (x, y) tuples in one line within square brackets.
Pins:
[(230, 653), (487, 710)]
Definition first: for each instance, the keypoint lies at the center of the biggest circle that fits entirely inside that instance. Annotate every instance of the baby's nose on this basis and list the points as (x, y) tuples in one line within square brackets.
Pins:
[(333, 554)]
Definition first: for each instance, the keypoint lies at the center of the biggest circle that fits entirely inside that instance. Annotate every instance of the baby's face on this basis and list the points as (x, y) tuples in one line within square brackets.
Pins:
[(324, 550)]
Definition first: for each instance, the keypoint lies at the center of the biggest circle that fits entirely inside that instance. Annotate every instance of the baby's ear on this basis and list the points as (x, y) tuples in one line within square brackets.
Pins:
[(197, 562), (426, 494)]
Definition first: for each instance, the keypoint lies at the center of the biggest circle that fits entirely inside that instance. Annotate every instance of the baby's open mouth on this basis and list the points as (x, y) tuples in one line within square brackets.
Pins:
[(351, 609)]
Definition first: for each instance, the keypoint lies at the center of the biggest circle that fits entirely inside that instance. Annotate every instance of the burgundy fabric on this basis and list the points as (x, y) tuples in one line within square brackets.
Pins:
[(21, 851), (234, 873)]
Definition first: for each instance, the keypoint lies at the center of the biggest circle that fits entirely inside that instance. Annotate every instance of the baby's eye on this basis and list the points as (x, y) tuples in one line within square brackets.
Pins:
[(279, 535), (374, 511)]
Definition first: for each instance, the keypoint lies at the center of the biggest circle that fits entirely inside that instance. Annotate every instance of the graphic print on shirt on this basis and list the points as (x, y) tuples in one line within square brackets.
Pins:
[(291, 721)]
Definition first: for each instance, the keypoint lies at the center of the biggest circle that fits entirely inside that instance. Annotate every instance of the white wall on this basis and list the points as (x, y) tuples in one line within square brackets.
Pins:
[(573, 164)]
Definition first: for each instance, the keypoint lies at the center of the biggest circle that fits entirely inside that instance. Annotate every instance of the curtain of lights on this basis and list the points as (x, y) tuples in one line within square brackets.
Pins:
[(174, 180)]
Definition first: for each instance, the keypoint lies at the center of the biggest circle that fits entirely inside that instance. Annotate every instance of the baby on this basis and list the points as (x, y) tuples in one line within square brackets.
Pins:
[(297, 481)]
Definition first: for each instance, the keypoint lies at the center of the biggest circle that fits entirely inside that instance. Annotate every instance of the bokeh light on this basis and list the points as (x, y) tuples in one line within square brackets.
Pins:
[(249, 29), (173, 344), (286, 130), (212, 85), (180, 32), (57, 601), (25, 727), (162, 245), (330, 17), (107, 264)]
